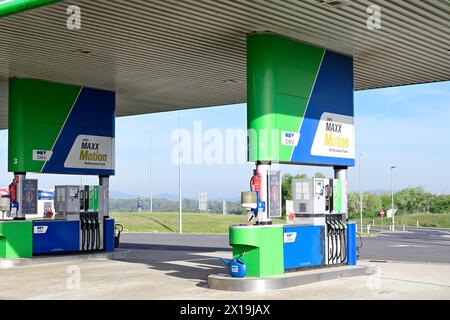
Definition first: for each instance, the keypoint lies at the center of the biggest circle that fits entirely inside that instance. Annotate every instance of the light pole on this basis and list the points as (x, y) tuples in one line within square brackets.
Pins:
[(179, 175), (392, 197), (151, 176), (360, 194)]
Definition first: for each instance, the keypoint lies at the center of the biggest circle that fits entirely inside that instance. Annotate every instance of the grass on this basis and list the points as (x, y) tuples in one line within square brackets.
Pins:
[(217, 223), (438, 220), (168, 222)]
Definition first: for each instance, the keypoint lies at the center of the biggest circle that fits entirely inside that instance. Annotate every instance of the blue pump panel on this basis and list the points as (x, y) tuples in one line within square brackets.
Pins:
[(304, 246), (108, 236), (55, 236), (351, 244)]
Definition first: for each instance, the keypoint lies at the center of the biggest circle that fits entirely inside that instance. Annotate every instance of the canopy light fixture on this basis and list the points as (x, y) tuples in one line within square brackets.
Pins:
[(232, 81), (82, 51)]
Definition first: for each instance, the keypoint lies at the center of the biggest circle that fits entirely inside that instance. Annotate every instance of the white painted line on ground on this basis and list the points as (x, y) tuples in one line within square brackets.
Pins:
[(194, 263), (440, 236), (407, 245)]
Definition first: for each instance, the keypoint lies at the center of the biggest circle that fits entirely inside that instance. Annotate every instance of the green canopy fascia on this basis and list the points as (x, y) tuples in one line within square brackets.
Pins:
[(9, 7)]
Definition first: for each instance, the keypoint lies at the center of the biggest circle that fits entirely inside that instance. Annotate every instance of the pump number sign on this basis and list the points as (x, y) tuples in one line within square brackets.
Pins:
[(29, 196)]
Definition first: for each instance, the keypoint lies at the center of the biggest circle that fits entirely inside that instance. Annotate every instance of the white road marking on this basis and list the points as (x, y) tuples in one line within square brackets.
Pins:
[(194, 264), (407, 245), (440, 236)]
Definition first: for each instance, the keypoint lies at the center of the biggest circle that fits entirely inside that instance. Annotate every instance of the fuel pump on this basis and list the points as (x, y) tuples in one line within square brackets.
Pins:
[(83, 228), (79, 225), (319, 202), (91, 219), (255, 201), (14, 204), (336, 239)]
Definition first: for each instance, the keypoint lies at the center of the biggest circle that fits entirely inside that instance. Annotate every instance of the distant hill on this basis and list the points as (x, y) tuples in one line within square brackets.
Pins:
[(167, 196), (174, 197), (121, 195), (376, 191)]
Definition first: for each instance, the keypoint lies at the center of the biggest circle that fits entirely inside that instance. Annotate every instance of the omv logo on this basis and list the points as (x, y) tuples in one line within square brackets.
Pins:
[(290, 237), (40, 229), (289, 138), (289, 134), (42, 155)]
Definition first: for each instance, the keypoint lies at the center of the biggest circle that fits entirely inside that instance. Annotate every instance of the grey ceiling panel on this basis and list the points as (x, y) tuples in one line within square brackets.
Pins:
[(177, 54)]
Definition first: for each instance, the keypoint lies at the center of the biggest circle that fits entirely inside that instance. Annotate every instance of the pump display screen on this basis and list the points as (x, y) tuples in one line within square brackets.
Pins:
[(274, 194), (29, 196), (73, 192), (319, 188)]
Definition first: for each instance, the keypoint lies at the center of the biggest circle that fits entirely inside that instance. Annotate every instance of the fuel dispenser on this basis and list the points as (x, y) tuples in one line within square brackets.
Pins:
[(91, 217), (314, 235), (264, 193), (80, 224), (318, 202), (309, 123), (67, 203)]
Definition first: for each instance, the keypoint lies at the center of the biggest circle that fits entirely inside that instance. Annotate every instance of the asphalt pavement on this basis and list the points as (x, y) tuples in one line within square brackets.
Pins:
[(174, 266), (415, 244)]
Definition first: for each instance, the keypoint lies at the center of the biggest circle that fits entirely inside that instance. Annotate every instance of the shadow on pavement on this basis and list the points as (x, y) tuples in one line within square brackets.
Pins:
[(186, 262)]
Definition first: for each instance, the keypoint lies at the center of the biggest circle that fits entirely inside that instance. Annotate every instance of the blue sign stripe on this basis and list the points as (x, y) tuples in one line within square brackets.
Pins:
[(92, 114), (333, 92)]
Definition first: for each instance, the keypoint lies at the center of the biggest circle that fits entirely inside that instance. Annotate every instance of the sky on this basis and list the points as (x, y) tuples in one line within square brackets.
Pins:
[(407, 127)]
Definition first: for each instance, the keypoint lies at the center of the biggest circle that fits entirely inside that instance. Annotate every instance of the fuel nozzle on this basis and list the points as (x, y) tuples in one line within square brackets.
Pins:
[(333, 225)]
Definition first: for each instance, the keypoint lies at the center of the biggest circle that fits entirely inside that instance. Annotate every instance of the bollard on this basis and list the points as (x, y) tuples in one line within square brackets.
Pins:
[(368, 229), (417, 224), (403, 227), (351, 243)]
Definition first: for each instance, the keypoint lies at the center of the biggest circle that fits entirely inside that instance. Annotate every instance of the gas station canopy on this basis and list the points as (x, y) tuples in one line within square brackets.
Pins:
[(169, 55)]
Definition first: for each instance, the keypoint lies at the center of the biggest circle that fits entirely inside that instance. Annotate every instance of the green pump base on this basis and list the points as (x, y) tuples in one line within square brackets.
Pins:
[(261, 247), (16, 239)]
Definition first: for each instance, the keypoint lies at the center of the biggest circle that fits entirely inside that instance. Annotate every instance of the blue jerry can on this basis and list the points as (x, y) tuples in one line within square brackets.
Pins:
[(237, 267)]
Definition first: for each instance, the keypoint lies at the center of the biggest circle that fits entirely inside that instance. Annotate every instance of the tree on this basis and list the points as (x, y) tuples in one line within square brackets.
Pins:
[(353, 204), (320, 175), (412, 200), (385, 200), (371, 204), (440, 204)]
